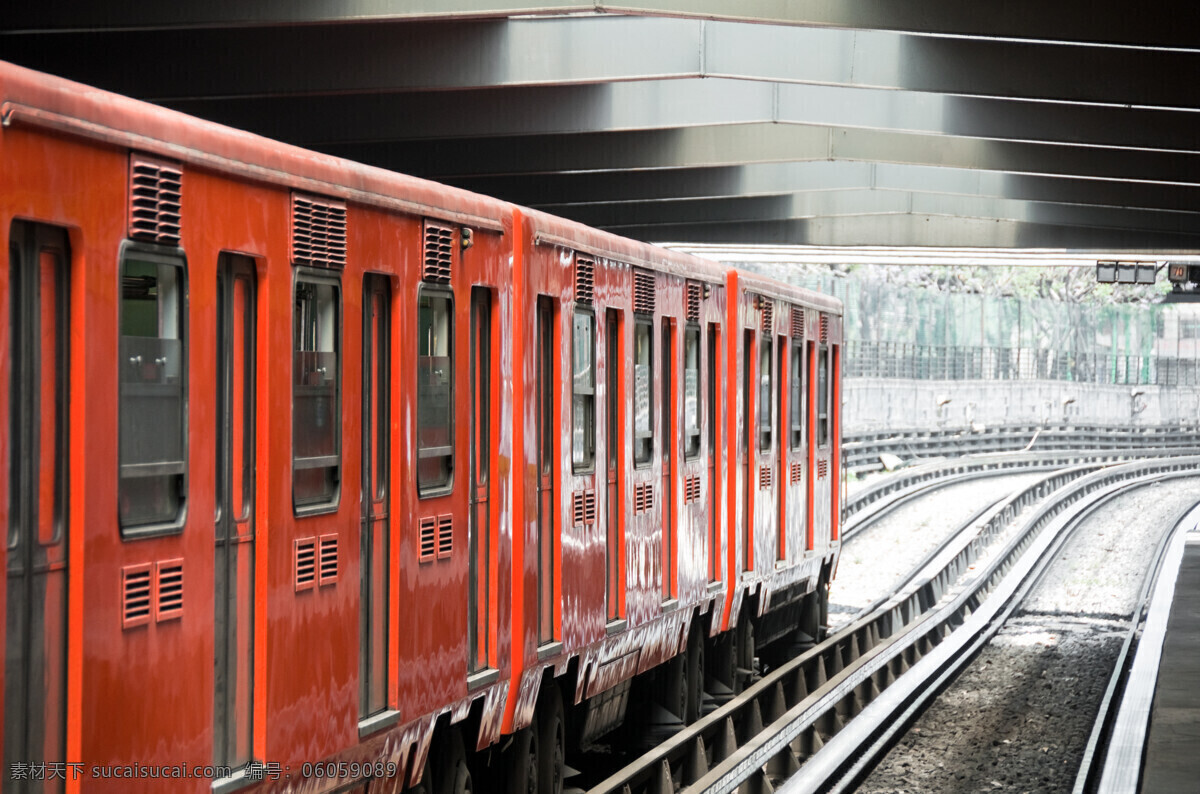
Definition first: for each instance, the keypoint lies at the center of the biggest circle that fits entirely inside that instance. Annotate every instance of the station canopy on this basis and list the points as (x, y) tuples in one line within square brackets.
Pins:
[(1069, 125)]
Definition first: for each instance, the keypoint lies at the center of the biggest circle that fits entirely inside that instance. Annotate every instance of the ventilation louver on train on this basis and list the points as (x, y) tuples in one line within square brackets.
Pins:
[(428, 539), (764, 477), (328, 559), (768, 315), (824, 329), (306, 563), (318, 232), (445, 525), (169, 581), (585, 280), (155, 200), (822, 469), (643, 498), (692, 303), (797, 323), (797, 473), (136, 595), (583, 508), (643, 292), (439, 253), (691, 490)]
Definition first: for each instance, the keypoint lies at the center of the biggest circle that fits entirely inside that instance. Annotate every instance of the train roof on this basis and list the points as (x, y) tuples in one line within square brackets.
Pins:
[(33, 99), (765, 285)]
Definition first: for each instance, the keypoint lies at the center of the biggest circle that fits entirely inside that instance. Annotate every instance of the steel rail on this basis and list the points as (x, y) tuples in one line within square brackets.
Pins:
[(1120, 729), (976, 616), (818, 683), (889, 492)]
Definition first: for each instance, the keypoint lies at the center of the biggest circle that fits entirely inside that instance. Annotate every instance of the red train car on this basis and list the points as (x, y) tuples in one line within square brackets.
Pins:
[(319, 476)]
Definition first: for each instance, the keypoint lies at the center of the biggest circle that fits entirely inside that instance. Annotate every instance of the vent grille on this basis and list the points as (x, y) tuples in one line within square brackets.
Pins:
[(822, 469), (439, 253), (583, 508), (824, 328), (329, 559), (797, 323), (797, 473), (643, 292), (692, 301), (428, 538), (768, 315), (643, 498), (445, 525), (136, 595), (764, 477), (318, 232), (585, 280), (169, 576), (691, 490), (155, 200), (306, 563)]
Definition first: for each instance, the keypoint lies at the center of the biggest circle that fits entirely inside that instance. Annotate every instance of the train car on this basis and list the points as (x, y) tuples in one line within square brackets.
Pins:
[(320, 477)]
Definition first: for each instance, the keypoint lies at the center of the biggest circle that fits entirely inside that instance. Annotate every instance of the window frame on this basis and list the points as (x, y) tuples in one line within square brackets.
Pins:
[(172, 257), (439, 489), (765, 419), (588, 465), (327, 278), (798, 395), (823, 396), (645, 441), (693, 435)]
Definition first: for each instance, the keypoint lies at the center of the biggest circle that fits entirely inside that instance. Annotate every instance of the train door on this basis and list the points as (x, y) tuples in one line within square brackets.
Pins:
[(546, 504), (670, 410), (745, 449), (614, 366), (797, 421), (375, 496), (479, 525), (715, 393), (235, 546), (35, 652)]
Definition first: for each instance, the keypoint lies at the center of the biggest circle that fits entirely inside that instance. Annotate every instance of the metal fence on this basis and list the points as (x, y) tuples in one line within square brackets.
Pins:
[(945, 362)]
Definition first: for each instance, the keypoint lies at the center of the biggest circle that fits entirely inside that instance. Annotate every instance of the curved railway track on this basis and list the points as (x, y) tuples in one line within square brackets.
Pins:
[(777, 726)]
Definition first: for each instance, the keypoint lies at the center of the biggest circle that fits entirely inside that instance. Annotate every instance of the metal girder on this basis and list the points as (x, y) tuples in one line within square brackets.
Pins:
[(561, 190), (776, 134), (833, 203), (1103, 21), (394, 57), (915, 230)]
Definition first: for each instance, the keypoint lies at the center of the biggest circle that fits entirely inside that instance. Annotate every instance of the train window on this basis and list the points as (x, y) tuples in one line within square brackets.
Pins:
[(583, 392), (765, 395), (643, 420), (796, 390), (435, 391), (316, 393), (823, 396), (691, 393), (153, 404)]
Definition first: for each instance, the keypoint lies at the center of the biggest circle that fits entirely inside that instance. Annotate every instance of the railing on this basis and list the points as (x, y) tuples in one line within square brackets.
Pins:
[(940, 362)]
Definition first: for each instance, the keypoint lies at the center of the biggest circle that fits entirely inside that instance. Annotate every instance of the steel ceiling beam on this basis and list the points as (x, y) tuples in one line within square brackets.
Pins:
[(915, 230), (1100, 21), (396, 57), (834, 203)]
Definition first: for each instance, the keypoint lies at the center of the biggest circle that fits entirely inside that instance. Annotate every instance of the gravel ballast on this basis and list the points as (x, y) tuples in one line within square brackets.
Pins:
[(1019, 717)]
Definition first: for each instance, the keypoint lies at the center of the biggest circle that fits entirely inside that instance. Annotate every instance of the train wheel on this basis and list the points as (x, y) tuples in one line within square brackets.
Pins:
[(552, 740), (452, 776), (521, 762)]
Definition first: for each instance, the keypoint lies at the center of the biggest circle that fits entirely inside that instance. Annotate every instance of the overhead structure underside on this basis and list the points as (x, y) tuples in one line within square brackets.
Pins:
[(1068, 125)]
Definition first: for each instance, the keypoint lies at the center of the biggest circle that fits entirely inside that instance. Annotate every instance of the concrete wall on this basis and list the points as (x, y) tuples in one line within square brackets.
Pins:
[(882, 403)]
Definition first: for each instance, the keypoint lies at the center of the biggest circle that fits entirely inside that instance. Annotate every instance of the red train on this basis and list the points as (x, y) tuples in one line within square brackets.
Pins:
[(320, 477)]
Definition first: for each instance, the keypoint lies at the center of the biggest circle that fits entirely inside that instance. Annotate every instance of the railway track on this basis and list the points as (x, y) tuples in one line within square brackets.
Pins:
[(1113, 758), (777, 726)]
